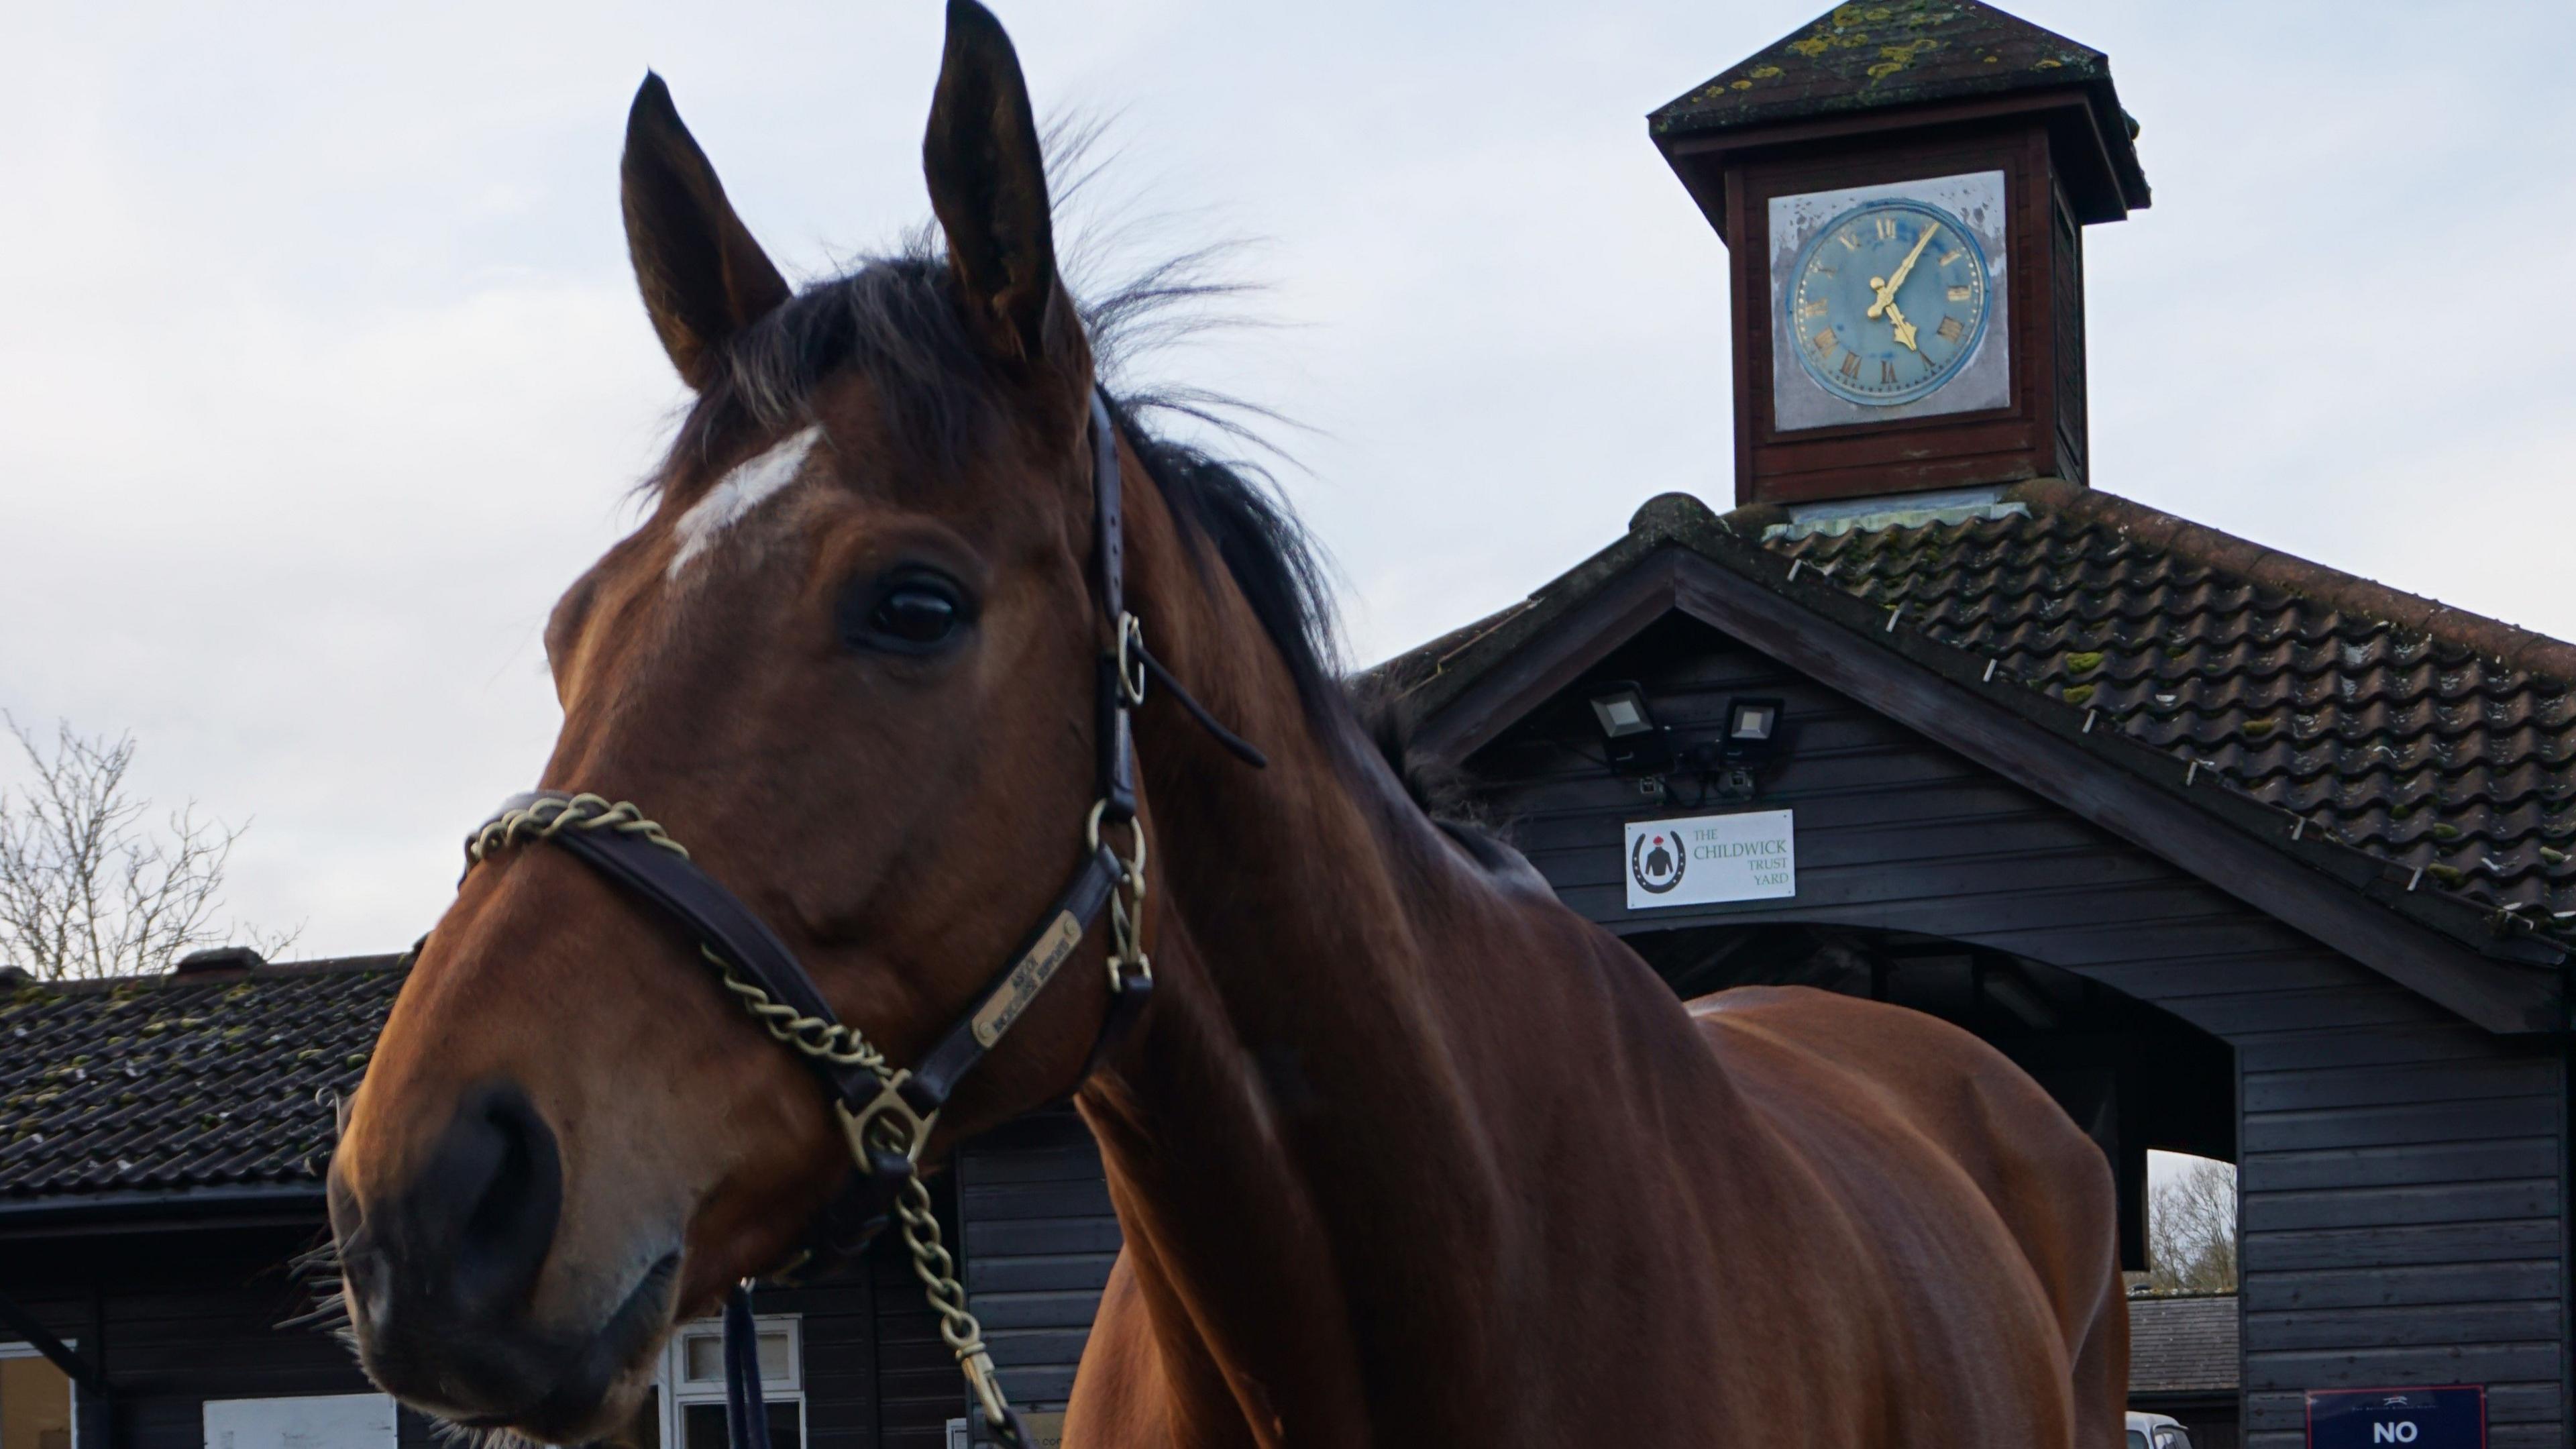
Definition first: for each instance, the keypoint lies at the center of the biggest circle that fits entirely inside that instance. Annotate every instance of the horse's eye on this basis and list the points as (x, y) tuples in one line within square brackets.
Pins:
[(915, 615), (912, 615)]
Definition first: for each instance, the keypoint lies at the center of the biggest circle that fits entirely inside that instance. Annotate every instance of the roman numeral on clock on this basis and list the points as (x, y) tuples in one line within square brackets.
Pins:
[(1962, 294), (1851, 367), (1811, 310), (1887, 228), (1887, 371), (1950, 330), (1824, 342)]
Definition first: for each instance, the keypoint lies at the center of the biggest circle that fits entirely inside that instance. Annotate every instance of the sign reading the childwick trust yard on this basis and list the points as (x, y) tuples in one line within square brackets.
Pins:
[(1708, 859), (2453, 1416)]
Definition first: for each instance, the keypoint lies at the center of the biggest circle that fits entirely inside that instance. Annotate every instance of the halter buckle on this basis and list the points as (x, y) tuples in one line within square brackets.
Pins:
[(907, 1131), (1131, 659)]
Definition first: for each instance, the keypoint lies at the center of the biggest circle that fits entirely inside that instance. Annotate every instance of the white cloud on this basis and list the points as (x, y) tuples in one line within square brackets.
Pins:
[(321, 374)]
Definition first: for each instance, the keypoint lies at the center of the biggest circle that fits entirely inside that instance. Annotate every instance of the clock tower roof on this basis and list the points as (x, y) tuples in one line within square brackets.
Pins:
[(1863, 57)]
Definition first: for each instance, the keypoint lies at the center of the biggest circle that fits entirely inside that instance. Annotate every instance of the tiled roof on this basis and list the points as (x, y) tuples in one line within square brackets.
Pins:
[(2182, 1345), (162, 1083), (1907, 52), (1855, 57), (2416, 733)]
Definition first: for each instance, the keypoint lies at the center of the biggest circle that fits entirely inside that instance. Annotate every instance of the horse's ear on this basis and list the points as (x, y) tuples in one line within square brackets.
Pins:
[(704, 278), (987, 177)]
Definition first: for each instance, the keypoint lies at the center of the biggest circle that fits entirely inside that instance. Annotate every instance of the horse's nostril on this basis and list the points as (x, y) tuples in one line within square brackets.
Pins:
[(492, 1191)]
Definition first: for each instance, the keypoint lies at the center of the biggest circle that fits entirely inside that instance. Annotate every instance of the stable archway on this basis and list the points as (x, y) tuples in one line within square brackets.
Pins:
[(2133, 1076)]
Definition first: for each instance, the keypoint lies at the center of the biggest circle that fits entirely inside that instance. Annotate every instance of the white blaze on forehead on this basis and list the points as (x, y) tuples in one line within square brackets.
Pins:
[(737, 494)]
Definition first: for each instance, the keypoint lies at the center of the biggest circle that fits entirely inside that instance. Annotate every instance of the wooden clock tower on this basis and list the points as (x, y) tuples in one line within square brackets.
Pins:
[(1902, 189)]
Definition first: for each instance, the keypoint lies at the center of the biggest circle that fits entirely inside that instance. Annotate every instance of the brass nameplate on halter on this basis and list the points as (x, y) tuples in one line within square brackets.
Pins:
[(1054, 947)]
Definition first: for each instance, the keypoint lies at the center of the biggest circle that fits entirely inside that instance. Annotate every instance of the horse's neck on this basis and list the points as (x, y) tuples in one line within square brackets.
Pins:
[(1289, 1134), (1322, 1143)]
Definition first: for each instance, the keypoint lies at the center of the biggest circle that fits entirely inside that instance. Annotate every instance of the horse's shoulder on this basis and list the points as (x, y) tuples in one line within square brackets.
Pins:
[(1120, 1395)]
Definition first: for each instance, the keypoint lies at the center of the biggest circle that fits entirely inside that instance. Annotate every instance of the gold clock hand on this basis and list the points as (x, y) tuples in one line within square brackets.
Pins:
[(1887, 294), (1904, 329)]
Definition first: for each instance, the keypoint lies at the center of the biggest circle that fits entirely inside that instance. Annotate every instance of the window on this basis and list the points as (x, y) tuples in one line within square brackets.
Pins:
[(35, 1400), (343, 1421), (687, 1407)]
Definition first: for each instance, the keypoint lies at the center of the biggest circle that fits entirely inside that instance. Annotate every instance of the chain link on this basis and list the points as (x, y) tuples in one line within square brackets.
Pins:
[(842, 1045), (958, 1326), (828, 1041), (549, 816)]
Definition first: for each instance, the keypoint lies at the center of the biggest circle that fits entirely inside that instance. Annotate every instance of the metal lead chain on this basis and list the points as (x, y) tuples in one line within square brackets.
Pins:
[(829, 1041), (958, 1327), (545, 818), (836, 1042)]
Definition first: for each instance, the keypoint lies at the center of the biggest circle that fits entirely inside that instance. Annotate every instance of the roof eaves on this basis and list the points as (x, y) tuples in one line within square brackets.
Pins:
[(2496, 934), (1454, 665), (121, 1209), (1732, 542)]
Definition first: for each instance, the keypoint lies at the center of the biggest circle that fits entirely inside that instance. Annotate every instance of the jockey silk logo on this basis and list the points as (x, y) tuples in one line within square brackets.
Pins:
[(1706, 860), (1657, 861)]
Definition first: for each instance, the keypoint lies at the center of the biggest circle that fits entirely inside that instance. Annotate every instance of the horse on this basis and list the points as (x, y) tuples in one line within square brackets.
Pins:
[(1404, 1151)]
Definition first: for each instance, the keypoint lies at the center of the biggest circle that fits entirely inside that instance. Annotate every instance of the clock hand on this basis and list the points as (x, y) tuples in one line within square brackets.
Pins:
[(1887, 293), (1904, 329)]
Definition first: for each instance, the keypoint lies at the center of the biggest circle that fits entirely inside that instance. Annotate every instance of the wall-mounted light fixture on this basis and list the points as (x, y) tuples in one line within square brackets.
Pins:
[(1752, 729), (1635, 744), (1639, 747)]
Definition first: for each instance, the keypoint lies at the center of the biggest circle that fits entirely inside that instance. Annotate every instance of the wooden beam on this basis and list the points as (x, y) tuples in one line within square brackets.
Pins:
[(60, 1354), (1555, 658)]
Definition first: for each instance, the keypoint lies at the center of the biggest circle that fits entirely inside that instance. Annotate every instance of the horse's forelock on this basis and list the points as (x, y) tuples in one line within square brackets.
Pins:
[(897, 321)]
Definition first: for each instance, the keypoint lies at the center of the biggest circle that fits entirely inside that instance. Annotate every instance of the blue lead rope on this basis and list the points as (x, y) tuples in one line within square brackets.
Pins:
[(746, 1417)]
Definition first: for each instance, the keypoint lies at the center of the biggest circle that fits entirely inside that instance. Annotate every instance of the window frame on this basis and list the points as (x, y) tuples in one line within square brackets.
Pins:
[(679, 1391), (17, 1349)]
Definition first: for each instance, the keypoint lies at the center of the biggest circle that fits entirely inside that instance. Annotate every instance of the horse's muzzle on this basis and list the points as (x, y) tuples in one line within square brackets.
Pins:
[(442, 1273)]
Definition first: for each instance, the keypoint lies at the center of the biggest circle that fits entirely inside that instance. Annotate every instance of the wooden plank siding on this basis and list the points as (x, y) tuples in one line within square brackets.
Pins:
[(2404, 1173), (1040, 1237), (175, 1319)]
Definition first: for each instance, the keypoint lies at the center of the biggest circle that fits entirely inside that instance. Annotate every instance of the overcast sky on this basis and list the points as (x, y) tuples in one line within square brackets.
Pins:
[(321, 371)]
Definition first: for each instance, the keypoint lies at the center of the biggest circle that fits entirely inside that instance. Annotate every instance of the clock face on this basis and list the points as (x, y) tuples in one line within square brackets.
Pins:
[(1887, 302)]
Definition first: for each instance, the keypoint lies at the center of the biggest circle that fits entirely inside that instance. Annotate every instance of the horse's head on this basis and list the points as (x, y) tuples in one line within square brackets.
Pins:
[(850, 662)]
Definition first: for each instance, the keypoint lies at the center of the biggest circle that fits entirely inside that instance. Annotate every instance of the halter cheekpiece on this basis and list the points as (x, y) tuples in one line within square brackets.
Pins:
[(887, 1112)]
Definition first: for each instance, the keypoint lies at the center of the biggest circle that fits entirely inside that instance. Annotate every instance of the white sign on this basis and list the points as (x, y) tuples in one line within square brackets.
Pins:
[(1706, 859), (321, 1421)]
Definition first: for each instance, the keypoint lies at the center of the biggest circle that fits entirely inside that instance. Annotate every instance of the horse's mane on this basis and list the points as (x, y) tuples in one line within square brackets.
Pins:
[(897, 318)]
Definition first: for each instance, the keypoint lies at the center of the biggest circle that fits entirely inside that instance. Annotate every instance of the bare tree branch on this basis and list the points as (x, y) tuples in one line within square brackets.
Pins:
[(2191, 1230), (85, 890)]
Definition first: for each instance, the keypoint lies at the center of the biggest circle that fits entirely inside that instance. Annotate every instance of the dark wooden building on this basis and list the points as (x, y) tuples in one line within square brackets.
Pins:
[(162, 1145), (2240, 856)]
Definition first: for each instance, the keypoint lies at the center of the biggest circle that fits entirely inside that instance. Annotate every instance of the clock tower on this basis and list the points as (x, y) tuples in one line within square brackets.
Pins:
[(1902, 189)]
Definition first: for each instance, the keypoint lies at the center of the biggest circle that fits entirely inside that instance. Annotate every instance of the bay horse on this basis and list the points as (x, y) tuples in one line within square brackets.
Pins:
[(1405, 1152)]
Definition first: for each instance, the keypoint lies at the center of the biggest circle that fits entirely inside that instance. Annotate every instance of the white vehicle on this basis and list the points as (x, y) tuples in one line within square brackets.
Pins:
[(2156, 1431)]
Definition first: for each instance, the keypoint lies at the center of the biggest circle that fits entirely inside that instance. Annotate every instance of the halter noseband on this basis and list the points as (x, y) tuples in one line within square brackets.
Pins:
[(887, 1112)]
